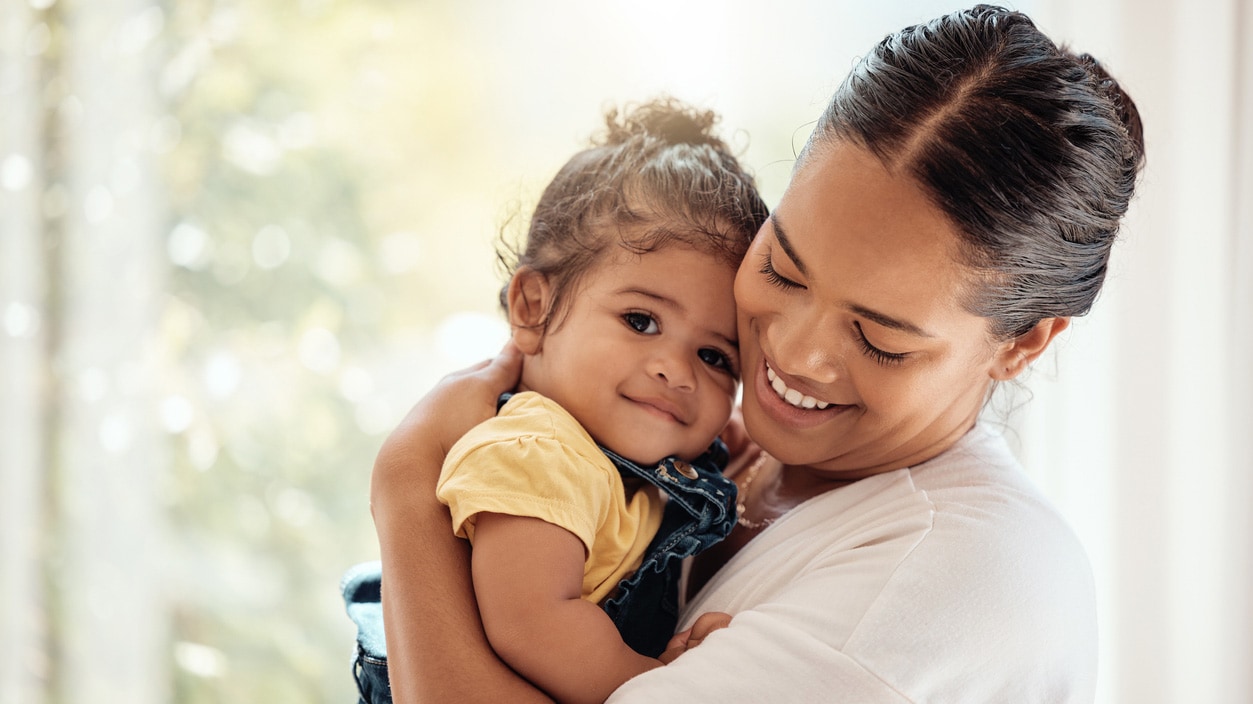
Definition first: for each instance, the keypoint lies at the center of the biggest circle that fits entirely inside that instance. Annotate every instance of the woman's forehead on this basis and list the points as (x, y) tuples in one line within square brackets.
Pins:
[(869, 237)]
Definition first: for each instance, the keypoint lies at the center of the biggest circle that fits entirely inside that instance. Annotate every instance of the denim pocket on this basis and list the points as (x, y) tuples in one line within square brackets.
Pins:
[(371, 675)]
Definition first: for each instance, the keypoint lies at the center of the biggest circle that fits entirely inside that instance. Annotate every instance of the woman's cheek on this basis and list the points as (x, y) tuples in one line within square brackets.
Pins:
[(882, 391)]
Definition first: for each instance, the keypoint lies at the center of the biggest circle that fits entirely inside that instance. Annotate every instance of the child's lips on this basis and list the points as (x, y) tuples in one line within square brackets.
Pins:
[(660, 407)]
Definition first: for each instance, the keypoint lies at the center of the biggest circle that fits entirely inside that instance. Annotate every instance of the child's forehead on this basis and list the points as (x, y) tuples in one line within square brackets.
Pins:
[(646, 255), (714, 239), (668, 271), (687, 289)]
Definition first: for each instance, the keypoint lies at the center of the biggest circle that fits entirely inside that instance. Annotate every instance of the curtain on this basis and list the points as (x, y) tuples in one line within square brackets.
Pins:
[(1142, 426), (81, 455), (22, 341)]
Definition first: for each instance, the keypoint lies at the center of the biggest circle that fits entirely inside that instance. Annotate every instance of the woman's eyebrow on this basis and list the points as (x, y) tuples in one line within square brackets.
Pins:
[(889, 322), (886, 321), (786, 244)]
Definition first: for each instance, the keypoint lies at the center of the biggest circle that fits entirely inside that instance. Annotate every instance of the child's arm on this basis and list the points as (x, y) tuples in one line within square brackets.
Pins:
[(528, 577)]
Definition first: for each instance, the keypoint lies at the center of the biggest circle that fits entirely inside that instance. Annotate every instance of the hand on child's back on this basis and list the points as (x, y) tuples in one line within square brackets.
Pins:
[(694, 636)]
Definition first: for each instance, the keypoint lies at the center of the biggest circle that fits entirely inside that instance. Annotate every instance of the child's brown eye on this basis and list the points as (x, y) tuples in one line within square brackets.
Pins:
[(642, 323), (715, 359)]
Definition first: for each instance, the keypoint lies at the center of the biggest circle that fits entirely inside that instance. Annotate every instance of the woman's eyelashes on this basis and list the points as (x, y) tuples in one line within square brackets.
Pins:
[(774, 277), (881, 356), (878, 355)]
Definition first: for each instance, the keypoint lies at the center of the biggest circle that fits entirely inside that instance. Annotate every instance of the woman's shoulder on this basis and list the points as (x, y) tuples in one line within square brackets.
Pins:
[(978, 543), (979, 490), (960, 556), (1000, 574), (991, 518)]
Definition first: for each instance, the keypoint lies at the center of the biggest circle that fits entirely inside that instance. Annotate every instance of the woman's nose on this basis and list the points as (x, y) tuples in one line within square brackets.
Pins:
[(805, 348)]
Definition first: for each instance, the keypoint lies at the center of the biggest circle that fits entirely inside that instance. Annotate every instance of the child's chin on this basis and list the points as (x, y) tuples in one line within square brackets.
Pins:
[(644, 457), (647, 460)]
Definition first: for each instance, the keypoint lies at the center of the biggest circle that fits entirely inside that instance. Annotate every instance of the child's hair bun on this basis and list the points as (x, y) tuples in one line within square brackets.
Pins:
[(665, 119)]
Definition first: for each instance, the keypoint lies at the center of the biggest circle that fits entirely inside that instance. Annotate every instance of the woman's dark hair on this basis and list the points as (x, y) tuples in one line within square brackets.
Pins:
[(656, 177), (1030, 150)]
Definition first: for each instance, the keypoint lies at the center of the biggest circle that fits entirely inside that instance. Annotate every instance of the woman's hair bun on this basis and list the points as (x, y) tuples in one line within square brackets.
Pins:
[(664, 119), (1128, 114)]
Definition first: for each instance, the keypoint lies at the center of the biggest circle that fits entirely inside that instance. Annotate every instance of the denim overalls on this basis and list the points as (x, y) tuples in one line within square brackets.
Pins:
[(699, 511)]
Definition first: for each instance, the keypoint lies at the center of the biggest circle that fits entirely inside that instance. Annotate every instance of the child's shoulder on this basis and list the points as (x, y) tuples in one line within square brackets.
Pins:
[(532, 417), (548, 416)]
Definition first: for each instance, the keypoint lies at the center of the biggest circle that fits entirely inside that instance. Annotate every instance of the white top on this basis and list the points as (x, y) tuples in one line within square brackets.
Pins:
[(952, 581)]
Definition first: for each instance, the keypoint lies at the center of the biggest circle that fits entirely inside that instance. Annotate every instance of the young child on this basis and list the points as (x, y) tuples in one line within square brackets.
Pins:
[(602, 472)]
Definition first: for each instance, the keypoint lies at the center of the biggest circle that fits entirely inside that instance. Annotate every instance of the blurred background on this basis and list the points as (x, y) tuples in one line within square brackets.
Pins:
[(239, 239)]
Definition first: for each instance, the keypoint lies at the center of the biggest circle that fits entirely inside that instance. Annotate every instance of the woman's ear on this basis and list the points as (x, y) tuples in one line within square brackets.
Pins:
[(1013, 356), (529, 298)]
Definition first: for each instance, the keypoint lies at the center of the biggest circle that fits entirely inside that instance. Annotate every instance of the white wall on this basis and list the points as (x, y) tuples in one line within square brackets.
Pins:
[(1143, 433)]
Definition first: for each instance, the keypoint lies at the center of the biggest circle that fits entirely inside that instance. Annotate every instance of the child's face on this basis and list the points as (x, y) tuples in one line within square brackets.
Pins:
[(645, 356)]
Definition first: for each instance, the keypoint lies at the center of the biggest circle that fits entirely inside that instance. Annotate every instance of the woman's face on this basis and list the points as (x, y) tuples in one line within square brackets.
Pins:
[(857, 356)]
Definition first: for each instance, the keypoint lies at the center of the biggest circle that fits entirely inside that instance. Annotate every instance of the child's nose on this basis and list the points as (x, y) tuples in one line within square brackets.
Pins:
[(671, 367)]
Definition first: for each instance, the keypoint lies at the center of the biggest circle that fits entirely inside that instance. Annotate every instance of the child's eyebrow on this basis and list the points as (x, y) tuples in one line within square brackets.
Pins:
[(653, 295)]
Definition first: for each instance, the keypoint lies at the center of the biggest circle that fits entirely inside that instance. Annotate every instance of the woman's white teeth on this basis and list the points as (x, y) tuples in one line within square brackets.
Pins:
[(792, 396)]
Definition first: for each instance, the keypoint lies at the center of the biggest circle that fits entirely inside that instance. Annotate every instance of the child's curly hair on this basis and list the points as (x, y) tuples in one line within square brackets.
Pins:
[(658, 176)]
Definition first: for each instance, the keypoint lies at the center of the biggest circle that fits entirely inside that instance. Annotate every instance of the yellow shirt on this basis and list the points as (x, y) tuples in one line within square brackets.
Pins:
[(535, 460)]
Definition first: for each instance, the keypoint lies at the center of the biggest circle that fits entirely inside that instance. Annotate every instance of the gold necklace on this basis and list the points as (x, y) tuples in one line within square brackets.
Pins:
[(741, 505)]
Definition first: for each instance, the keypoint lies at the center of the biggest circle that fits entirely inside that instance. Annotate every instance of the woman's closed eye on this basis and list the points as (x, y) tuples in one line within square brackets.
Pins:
[(774, 277), (882, 357), (643, 323)]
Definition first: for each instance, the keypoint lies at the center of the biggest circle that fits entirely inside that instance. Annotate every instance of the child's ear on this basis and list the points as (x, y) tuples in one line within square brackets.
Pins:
[(529, 298), (1014, 356)]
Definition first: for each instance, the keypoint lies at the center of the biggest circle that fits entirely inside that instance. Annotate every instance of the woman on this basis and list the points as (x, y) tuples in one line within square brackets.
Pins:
[(954, 207)]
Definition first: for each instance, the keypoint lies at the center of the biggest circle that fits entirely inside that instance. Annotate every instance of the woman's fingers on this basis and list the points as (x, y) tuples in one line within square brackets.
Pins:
[(682, 642), (676, 647), (706, 624), (507, 359), (460, 401), (506, 367)]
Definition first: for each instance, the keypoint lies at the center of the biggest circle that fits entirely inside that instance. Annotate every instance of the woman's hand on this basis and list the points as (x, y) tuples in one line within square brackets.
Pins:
[(466, 398), (458, 402), (682, 642), (436, 648)]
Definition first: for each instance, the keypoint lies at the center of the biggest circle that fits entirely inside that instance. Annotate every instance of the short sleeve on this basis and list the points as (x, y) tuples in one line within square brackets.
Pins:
[(530, 476)]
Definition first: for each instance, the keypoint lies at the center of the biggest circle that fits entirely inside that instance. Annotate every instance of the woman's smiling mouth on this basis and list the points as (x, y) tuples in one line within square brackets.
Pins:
[(792, 396)]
